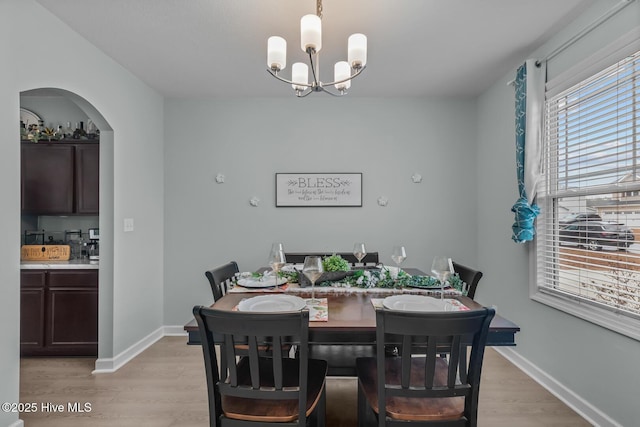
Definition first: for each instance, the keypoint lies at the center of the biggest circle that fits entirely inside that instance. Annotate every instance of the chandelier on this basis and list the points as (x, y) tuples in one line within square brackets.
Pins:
[(311, 43)]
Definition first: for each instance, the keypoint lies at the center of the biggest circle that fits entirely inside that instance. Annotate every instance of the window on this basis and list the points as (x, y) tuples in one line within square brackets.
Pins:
[(588, 250)]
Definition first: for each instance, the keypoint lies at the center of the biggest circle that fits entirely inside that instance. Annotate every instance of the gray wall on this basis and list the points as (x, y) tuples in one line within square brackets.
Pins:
[(598, 365), (131, 180), (388, 140), (9, 226)]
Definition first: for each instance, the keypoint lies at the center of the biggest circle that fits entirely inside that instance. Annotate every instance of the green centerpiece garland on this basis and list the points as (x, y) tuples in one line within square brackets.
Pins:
[(383, 278)]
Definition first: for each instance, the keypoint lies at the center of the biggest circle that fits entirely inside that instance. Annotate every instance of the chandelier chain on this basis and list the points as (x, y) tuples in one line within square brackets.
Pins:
[(319, 9)]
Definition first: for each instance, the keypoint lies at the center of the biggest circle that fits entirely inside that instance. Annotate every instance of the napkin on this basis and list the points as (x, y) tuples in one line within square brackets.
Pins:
[(377, 302), (319, 312)]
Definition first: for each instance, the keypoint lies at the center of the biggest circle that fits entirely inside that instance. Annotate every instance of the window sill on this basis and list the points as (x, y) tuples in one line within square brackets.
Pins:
[(619, 323)]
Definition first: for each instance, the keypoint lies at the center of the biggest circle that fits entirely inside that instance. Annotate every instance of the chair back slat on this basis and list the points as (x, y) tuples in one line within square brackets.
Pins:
[(454, 360), (430, 361), (254, 367), (407, 342), (229, 350), (277, 363)]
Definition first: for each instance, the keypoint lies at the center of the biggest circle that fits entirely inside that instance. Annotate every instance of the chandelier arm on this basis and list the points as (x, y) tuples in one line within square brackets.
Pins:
[(357, 73), (274, 74), (325, 90), (305, 94), (313, 68)]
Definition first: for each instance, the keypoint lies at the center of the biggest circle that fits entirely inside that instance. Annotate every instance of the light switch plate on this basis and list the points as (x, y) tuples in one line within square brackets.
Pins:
[(128, 224)]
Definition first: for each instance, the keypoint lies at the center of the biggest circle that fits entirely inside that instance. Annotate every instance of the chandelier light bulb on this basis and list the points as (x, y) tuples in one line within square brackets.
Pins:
[(299, 75), (342, 71), (311, 33), (357, 50), (276, 53)]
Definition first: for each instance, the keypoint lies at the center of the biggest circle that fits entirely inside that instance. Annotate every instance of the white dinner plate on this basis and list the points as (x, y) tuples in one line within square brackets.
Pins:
[(261, 282), (272, 303), (416, 303)]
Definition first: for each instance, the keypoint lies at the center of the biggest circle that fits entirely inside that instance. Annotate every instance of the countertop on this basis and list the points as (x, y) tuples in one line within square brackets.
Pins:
[(54, 265)]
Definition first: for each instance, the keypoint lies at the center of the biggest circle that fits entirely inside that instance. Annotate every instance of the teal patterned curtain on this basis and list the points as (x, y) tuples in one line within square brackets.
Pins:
[(528, 142)]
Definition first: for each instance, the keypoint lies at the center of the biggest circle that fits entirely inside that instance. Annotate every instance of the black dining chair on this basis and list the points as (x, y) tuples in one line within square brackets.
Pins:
[(420, 387), (468, 275), (258, 390), (220, 277), (370, 259)]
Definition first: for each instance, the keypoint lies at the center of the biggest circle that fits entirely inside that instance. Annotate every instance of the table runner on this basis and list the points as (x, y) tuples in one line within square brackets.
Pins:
[(295, 288)]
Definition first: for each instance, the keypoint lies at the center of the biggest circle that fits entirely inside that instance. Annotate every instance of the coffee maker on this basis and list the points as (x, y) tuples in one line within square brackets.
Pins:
[(73, 238), (94, 245)]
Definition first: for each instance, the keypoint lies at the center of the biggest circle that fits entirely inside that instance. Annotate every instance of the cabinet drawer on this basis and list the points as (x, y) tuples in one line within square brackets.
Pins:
[(32, 279), (74, 278)]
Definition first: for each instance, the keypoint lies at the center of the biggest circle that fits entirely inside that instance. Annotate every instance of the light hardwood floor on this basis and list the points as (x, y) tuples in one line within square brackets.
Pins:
[(165, 387)]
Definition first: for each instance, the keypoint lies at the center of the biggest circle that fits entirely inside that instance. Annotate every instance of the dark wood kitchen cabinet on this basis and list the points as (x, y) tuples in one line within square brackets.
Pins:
[(87, 178), (60, 178), (47, 178), (32, 310), (59, 313)]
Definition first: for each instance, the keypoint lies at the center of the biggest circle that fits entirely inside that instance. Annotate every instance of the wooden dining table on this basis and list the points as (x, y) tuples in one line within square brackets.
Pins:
[(352, 318)]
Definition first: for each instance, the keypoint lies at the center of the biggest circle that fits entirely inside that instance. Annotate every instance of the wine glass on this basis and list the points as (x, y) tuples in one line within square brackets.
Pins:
[(440, 268), (398, 255), (276, 247), (277, 259), (312, 269), (359, 251)]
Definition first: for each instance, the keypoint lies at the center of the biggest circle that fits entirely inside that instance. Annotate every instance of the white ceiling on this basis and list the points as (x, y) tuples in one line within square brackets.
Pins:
[(217, 48)]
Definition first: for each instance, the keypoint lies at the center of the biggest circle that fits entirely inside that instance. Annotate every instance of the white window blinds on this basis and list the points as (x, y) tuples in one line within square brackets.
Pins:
[(589, 228)]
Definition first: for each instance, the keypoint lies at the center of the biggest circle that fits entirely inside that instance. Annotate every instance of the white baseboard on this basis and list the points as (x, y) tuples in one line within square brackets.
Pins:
[(174, 331), (109, 365), (566, 395)]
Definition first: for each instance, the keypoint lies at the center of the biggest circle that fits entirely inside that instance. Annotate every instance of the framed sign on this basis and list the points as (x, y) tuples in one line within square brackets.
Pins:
[(318, 189)]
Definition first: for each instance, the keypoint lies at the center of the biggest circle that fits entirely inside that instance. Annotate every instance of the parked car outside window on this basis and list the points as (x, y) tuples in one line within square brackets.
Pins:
[(586, 216), (593, 235)]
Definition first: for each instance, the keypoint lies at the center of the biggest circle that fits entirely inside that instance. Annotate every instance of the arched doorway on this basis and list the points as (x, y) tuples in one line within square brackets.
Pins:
[(106, 215)]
